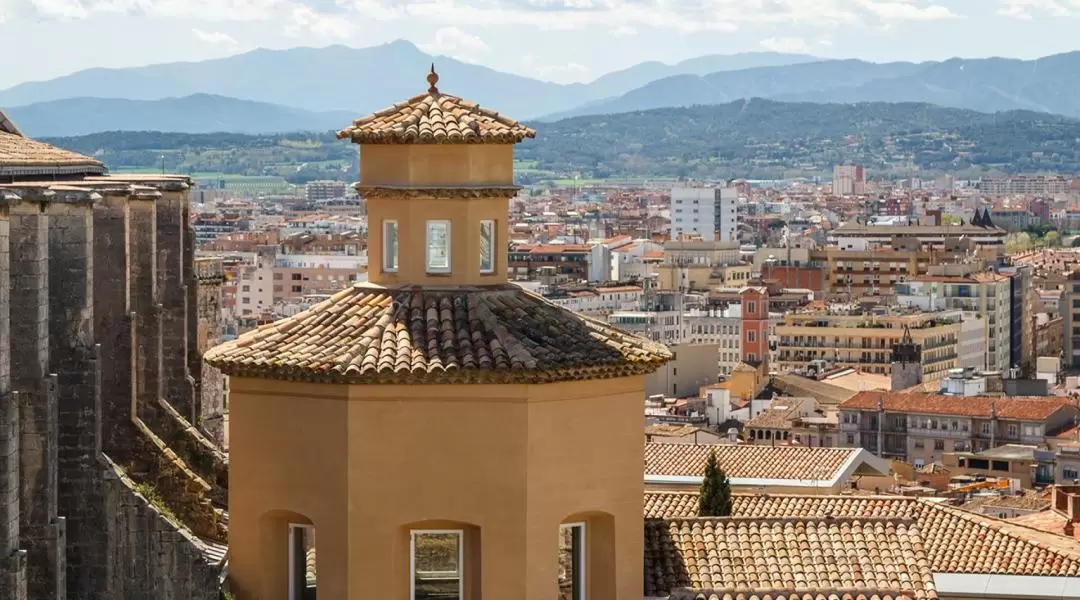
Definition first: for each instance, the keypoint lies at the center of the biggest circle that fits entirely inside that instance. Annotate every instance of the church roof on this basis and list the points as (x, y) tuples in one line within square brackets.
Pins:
[(436, 118), (503, 334), (20, 155)]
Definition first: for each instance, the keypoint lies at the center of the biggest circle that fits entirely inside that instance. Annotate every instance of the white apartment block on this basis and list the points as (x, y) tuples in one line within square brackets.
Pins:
[(986, 296), (711, 212)]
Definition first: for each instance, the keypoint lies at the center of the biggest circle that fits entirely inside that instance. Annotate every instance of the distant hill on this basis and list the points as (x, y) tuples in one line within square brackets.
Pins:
[(767, 139), (756, 139), (359, 80), (199, 113), (993, 84)]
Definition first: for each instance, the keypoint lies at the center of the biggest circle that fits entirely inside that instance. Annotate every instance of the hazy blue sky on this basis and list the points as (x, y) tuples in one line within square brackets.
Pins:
[(559, 40)]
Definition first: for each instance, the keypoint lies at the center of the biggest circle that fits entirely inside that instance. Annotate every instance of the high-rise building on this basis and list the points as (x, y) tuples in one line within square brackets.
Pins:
[(848, 180), (320, 191), (710, 212)]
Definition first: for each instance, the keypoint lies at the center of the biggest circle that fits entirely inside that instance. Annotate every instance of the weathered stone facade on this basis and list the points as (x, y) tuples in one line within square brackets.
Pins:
[(209, 277), (107, 488)]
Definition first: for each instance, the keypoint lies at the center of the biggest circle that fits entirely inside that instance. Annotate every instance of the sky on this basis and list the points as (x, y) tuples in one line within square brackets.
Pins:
[(555, 40)]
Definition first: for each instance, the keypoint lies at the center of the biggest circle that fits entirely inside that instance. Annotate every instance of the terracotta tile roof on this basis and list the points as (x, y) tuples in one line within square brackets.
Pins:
[(436, 118), (764, 594), (369, 334), (1022, 408), (747, 462), (786, 553), (26, 156), (955, 540), (671, 430)]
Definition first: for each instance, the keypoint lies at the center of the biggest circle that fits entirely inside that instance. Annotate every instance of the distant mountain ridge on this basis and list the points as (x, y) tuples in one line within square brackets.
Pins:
[(341, 78), (198, 113), (1047, 84)]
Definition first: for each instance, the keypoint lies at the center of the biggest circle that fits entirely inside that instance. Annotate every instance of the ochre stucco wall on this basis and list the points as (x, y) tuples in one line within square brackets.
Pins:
[(437, 164), (367, 463), (412, 215)]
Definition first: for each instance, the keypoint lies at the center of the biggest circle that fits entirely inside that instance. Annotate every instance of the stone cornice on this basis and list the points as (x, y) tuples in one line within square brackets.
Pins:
[(435, 191)]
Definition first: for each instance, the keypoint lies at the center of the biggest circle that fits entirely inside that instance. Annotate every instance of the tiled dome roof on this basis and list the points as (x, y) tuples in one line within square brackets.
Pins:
[(369, 334)]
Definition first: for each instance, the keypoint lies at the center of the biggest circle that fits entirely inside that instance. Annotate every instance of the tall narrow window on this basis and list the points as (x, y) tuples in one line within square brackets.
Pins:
[(438, 246), (572, 561), (390, 246), (436, 565), (301, 562), (487, 246)]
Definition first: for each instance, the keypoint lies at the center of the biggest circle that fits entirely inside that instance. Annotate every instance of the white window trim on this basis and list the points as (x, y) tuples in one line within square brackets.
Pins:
[(427, 246), (292, 558), (460, 562), (490, 270), (386, 248), (581, 559)]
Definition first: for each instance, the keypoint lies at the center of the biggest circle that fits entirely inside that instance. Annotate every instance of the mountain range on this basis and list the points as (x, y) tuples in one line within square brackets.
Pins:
[(266, 91), (341, 78), (198, 113)]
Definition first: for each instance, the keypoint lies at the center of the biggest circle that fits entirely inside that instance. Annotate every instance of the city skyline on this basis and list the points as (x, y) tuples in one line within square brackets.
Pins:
[(556, 40)]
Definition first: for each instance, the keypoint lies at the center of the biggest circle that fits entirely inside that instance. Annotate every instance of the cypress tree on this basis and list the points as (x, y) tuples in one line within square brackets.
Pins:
[(715, 497)]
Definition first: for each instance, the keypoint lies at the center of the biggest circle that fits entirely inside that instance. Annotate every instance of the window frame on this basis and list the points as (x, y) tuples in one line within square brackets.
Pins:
[(427, 248), (491, 251), (385, 249), (292, 559), (582, 560), (460, 561)]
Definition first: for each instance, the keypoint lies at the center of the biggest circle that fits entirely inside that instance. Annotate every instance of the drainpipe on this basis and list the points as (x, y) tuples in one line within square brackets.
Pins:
[(881, 424)]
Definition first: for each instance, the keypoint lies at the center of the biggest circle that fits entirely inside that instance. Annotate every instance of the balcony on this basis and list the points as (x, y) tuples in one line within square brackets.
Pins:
[(951, 434)]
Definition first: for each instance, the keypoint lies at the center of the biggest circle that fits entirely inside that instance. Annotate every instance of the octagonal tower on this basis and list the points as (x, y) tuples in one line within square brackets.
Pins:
[(436, 431)]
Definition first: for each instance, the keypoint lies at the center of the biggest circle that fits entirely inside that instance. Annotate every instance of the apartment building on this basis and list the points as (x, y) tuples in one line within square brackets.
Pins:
[(322, 190), (274, 278), (693, 264), (843, 335), (708, 212), (986, 295), (921, 428), (1070, 313), (722, 327), (569, 260), (598, 300), (848, 180), (859, 236), (1025, 185)]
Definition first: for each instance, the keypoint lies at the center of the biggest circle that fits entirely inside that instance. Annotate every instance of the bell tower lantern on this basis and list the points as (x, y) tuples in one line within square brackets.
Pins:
[(438, 174)]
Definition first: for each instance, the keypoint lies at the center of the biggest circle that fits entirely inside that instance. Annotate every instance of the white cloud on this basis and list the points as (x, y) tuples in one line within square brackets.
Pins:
[(905, 10), (453, 42), (60, 9), (785, 44), (1023, 9), (215, 38), (306, 20), (624, 31)]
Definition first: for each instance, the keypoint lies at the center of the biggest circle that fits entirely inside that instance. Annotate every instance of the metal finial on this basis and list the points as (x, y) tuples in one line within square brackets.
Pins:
[(432, 79)]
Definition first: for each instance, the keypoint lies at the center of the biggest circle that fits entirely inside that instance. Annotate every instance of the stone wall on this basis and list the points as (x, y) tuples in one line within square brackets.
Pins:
[(93, 293), (209, 276), (40, 530), (73, 358), (154, 558), (12, 557)]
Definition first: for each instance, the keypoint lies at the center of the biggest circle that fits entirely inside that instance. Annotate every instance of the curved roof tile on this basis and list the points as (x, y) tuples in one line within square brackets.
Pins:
[(370, 334)]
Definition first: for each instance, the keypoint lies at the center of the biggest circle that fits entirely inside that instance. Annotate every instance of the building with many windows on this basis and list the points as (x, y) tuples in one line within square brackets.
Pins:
[(842, 335), (708, 212), (921, 428)]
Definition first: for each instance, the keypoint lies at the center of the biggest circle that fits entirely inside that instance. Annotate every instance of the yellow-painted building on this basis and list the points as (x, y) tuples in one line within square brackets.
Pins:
[(844, 336), (438, 431)]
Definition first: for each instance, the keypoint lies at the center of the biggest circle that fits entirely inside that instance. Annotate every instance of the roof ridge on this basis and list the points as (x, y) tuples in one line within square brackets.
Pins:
[(797, 519)]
